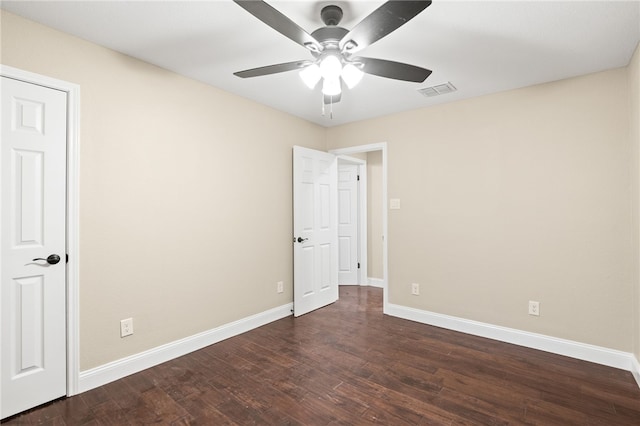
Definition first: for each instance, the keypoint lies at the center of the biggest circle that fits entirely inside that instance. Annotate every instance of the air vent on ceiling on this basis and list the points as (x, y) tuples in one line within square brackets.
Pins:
[(438, 89)]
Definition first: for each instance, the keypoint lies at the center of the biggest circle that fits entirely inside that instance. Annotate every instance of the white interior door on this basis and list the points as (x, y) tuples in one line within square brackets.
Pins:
[(32, 210), (315, 253), (348, 224)]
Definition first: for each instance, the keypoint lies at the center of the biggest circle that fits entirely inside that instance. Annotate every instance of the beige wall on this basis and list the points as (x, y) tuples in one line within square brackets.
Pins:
[(522, 195), (374, 215), (634, 134), (185, 195)]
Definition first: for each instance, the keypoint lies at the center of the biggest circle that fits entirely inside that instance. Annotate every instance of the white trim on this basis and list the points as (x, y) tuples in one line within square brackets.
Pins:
[(635, 369), (376, 282), (118, 369), (73, 177), (583, 351), (363, 224), (353, 160), (381, 146)]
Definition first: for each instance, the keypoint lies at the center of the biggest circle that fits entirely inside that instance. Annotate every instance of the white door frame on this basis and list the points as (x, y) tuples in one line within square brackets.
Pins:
[(363, 278), (72, 237), (381, 146)]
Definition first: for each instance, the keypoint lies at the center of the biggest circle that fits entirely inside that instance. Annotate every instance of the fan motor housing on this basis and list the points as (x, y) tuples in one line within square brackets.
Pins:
[(329, 34)]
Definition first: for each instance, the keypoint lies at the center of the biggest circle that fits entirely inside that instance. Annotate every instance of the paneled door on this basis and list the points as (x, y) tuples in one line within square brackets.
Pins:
[(315, 253), (32, 249), (348, 224)]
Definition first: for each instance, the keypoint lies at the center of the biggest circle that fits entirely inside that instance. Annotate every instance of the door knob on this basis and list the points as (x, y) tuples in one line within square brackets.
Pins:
[(301, 240), (51, 260)]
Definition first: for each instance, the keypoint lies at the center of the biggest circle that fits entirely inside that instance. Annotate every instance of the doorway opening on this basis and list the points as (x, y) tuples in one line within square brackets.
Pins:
[(377, 245)]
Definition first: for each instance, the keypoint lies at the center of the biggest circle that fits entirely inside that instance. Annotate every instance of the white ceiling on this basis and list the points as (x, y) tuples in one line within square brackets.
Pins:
[(480, 46)]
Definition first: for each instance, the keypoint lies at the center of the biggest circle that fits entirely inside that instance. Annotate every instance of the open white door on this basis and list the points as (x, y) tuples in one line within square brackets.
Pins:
[(32, 248), (348, 215), (315, 253)]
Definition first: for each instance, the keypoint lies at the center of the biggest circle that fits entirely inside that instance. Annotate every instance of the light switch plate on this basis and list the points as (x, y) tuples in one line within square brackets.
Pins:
[(394, 203)]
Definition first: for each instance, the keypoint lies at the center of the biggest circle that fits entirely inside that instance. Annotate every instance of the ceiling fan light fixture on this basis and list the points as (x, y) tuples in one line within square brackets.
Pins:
[(311, 75), (332, 46), (331, 67), (331, 87), (351, 75)]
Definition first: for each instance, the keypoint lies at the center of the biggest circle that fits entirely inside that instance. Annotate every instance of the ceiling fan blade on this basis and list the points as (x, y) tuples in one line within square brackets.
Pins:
[(272, 69), (395, 70), (279, 22), (381, 22)]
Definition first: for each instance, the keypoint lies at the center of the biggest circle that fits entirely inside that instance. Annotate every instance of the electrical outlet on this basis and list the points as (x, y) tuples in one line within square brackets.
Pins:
[(280, 286), (415, 289), (126, 327), (534, 308)]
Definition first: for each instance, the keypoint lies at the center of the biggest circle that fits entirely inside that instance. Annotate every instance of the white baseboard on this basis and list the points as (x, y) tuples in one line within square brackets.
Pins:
[(376, 282), (635, 369), (583, 351), (95, 377)]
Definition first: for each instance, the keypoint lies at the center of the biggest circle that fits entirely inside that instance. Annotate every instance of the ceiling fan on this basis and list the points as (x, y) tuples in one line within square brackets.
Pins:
[(333, 47)]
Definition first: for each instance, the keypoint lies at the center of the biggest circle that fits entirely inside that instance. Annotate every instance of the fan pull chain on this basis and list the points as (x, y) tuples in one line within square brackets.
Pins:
[(330, 107)]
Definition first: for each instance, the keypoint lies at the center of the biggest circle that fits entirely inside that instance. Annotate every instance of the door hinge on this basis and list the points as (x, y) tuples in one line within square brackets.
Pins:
[(358, 177), (358, 265), (67, 258)]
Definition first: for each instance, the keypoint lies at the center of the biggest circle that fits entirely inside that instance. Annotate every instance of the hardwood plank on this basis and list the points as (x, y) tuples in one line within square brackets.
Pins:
[(109, 413), (202, 412), (348, 364)]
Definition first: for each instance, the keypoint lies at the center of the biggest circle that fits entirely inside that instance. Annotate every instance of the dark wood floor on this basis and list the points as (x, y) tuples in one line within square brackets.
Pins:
[(347, 364)]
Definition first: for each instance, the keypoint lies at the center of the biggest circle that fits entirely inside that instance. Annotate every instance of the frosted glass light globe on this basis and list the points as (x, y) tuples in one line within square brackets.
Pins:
[(331, 87), (311, 75), (351, 75), (330, 67)]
